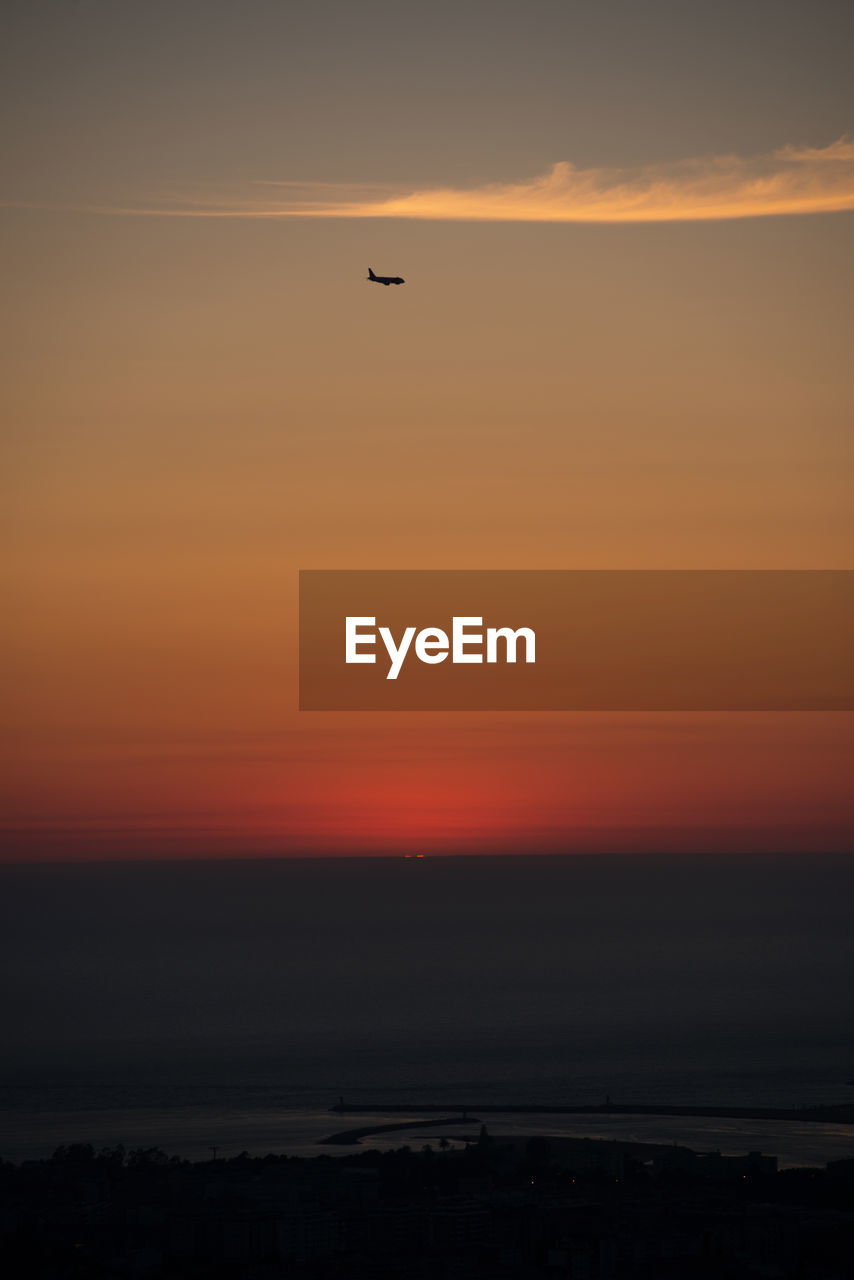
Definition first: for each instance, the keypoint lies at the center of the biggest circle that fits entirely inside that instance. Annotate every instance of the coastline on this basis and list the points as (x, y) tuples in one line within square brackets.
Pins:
[(840, 1113), (190, 1131)]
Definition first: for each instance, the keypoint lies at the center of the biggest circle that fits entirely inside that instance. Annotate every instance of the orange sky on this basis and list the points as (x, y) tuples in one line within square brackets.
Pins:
[(198, 407)]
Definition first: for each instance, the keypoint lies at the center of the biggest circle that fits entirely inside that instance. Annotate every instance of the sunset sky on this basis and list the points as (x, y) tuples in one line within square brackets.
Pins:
[(624, 341)]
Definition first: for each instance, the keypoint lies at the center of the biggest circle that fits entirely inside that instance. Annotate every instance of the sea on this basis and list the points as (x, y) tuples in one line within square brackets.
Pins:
[(227, 1005)]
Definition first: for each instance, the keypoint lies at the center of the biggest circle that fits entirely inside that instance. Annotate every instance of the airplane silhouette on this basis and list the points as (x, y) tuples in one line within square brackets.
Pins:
[(384, 279)]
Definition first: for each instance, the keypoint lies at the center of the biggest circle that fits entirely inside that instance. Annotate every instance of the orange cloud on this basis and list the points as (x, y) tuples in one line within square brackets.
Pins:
[(791, 180)]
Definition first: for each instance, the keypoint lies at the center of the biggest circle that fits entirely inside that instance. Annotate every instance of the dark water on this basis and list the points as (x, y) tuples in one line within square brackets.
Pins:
[(247, 996)]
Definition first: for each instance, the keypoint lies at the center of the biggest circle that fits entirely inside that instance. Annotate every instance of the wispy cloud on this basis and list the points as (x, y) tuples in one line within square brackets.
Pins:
[(791, 180)]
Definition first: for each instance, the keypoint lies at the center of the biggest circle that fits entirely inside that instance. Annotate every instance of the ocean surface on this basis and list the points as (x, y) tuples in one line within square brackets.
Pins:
[(230, 1004)]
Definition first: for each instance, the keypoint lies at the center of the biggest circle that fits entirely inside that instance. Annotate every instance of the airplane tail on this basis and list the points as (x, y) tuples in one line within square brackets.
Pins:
[(371, 275)]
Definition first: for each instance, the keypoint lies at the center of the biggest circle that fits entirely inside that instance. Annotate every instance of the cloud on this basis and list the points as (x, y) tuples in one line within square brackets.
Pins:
[(791, 180)]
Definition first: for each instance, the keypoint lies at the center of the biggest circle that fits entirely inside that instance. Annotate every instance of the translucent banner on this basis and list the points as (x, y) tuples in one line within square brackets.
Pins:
[(577, 640)]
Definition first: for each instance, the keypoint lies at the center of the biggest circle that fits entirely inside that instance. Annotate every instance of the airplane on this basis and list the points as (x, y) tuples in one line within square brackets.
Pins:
[(384, 279)]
